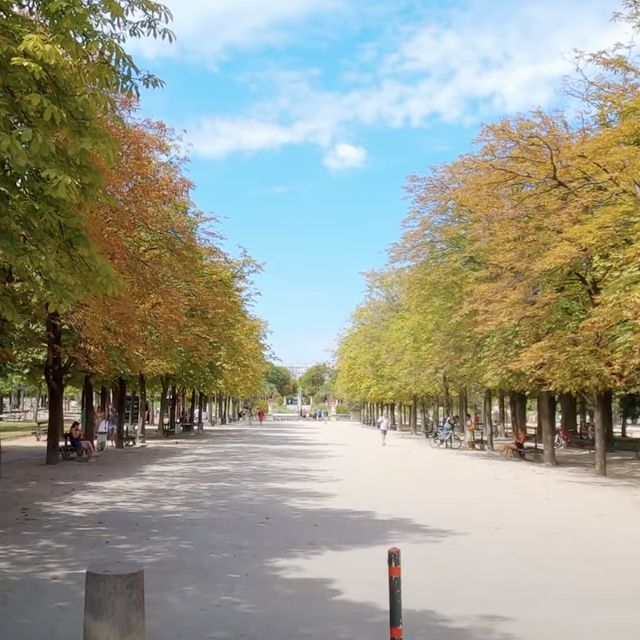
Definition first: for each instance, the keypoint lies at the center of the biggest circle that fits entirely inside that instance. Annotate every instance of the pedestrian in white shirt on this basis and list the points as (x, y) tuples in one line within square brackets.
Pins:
[(384, 425), (103, 432)]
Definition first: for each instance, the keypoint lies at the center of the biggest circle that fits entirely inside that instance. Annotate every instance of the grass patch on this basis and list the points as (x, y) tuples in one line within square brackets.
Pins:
[(10, 430)]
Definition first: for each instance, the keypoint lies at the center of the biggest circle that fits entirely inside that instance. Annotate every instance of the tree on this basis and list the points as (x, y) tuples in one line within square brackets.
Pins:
[(61, 64), (316, 380), (278, 380)]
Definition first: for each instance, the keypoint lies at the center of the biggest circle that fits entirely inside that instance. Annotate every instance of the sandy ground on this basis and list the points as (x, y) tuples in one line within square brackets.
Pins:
[(281, 531)]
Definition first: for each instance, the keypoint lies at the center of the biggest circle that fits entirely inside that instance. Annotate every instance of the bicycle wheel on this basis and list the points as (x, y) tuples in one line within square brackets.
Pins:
[(456, 442), (435, 441)]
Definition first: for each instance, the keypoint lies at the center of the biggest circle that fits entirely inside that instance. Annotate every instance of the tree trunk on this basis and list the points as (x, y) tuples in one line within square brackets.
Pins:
[(463, 401), (89, 417), (173, 407), (603, 418), (164, 381), (192, 408), (502, 418), (447, 397), (181, 409), (486, 418), (35, 408), (582, 413), (54, 375), (201, 401), (569, 409), (104, 400), (518, 406), (142, 408), (462, 407), (122, 405), (423, 414), (547, 413), (413, 414)]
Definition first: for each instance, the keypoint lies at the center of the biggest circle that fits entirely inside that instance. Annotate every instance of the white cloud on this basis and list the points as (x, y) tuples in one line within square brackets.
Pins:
[(344, 156), (493, 57), (217, 137), (207, 29)]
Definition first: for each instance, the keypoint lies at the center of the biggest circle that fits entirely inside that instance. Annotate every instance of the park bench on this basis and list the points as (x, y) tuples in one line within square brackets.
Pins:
[(281, 417), (168, 430), (67, 452), (186, 427), (528, 453), (40, 430)]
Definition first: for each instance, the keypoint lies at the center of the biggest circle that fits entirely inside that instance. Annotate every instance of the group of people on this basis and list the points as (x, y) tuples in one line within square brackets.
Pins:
[(106, 427), (107, 424), (319, 414)]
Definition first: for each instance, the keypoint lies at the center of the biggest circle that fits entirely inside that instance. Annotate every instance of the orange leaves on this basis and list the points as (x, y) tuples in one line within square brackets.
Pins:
[(180, 309), (519, 262)]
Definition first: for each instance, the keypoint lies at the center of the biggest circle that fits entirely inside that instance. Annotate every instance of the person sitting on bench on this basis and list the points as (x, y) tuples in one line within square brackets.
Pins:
[(76, 441), (517, 445)]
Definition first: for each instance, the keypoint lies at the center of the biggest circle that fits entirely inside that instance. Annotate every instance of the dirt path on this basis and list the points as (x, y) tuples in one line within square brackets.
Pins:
[(281, 532)]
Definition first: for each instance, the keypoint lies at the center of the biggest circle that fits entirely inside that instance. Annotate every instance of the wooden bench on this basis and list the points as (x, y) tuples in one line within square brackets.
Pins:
[(534, 453), (67, 452), (39, 430)]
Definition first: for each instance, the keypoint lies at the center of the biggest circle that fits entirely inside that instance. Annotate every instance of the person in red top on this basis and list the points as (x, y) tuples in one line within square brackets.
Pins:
[(260, 414)]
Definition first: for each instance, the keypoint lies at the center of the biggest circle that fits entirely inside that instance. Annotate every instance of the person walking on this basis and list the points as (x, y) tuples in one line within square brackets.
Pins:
[(260, 415), (384, 425)]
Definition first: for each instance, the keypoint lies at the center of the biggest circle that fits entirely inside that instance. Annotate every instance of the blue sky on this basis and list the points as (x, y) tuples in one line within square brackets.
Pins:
[(305, 117)]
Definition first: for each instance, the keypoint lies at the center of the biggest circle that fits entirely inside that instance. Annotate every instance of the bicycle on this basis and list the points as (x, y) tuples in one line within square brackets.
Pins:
[(564, 439), (428, 429), (447, 438)]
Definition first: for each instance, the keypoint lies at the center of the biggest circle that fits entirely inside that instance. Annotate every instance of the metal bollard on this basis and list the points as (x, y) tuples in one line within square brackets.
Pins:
[(395, 595), (114, 602)]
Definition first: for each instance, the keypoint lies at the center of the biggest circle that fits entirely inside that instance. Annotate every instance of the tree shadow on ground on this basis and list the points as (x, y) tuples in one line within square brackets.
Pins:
[(623, 467), (236, 535)]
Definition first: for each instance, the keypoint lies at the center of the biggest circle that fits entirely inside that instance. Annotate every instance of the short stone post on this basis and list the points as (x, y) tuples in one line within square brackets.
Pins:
[(114, 602)]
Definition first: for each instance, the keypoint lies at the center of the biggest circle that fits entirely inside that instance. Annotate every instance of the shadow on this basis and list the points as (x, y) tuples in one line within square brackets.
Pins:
[(235, 531), (623, 467)]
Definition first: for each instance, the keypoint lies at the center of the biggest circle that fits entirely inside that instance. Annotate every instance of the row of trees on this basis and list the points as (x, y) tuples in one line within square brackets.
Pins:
[(517, 272), (108, 273)]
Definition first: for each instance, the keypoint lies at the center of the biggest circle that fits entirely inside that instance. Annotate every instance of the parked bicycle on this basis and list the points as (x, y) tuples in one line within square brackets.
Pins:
[(564, 439), (447, 438)]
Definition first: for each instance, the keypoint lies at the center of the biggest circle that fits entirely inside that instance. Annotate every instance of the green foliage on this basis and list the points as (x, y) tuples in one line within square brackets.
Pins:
[(279, 380), (317, 380), (62, 64)]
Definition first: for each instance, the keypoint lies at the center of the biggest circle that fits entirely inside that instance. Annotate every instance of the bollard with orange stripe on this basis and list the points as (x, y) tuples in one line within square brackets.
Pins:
[(395, 594)]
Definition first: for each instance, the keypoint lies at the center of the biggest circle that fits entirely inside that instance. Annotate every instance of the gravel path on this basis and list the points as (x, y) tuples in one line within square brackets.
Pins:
[(280, 532)]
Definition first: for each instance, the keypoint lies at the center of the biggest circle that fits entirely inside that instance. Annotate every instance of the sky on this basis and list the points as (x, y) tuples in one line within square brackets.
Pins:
[(304, 118)]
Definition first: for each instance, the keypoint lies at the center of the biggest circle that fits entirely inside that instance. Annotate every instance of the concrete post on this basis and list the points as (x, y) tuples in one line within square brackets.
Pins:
[(114, 602)]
